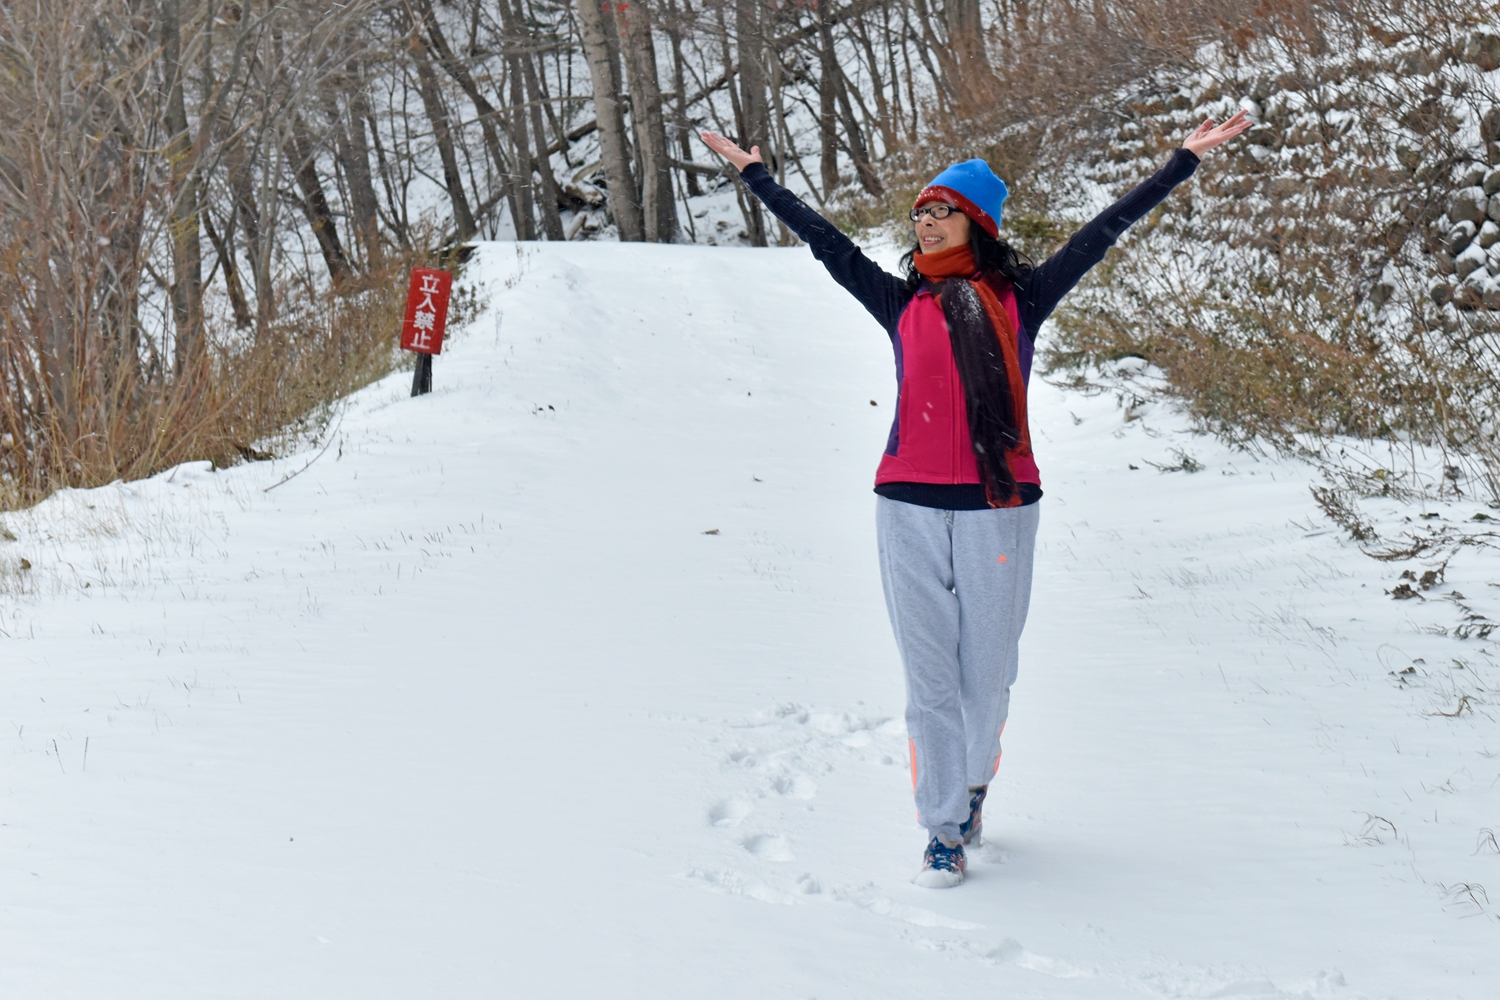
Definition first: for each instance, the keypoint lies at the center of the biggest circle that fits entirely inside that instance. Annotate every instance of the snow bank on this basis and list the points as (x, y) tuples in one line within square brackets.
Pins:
[(573, 679)]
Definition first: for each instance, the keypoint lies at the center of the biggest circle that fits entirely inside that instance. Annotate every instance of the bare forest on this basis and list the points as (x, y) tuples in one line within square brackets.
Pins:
[(207, 209)]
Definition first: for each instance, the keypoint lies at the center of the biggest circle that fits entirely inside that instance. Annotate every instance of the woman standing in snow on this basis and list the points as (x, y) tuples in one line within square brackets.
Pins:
[(956, 514)]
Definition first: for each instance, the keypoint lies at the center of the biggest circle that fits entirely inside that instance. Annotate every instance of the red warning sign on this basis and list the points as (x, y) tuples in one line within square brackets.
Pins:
[(426, 310)]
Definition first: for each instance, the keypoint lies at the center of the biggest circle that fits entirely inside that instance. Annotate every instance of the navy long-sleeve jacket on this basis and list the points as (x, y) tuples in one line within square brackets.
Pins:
[(885, 296), (930, 462)]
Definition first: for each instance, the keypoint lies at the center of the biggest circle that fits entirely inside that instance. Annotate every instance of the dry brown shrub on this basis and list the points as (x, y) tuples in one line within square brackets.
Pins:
[(242, 398), (1062, 79), (1286, 291), (116, 358)]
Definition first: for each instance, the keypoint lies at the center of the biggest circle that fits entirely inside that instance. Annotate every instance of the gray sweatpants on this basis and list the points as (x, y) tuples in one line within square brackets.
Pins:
[(957, 586)]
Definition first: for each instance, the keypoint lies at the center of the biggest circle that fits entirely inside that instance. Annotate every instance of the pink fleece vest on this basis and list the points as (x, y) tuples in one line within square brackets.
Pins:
[(932, 422)]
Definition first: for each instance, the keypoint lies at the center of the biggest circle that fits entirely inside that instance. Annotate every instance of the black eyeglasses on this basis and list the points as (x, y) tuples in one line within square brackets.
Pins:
[(937, 210)]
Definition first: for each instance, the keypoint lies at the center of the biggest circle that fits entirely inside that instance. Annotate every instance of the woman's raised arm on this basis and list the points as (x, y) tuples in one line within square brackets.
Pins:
[(1059, 273), (883, 294)]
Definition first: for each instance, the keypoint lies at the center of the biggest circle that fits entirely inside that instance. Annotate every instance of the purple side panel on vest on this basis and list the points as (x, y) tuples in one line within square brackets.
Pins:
[(893, 442), (1026, 347)]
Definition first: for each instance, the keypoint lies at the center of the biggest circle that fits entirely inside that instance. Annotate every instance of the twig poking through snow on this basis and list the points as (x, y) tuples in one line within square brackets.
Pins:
[(320, 454), (1463, 703)]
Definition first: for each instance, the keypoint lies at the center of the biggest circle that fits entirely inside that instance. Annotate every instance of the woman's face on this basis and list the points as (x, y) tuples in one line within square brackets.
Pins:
[(937, 235)]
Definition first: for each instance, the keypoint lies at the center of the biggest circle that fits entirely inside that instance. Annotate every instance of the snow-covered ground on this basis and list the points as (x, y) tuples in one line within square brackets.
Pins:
[(573, 679)]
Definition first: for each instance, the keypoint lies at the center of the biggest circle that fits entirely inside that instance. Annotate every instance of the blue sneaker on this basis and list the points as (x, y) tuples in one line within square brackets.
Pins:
[(973, 829), (942, 866)]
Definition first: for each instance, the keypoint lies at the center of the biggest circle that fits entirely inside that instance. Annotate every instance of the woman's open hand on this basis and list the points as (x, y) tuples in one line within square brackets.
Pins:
[(1208, 135), (729, 150)]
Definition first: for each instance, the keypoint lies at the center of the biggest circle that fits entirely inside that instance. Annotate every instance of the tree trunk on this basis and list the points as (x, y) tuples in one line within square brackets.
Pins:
[(187, 250), (550, 110), (945, 74), (828, 108), (679, 84), (756, 128), (916, 113), (726, 57), (268, 217), (973, 79), (659, 209), (484, 110), (242, 213), (551, 193), (224, 247), (521, 179), (353, 152), (858, 151), (884, 120), (437, 114), (315, 202), (783, 135), (624, 202), (398, 217)]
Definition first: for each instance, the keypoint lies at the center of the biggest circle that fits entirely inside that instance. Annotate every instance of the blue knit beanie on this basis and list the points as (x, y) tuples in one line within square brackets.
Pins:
[(973, 189)]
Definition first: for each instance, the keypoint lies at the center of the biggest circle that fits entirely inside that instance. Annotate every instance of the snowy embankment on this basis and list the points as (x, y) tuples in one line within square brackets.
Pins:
[(573, 679)]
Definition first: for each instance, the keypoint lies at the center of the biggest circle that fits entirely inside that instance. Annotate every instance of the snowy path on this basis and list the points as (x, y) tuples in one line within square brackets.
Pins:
[(474, 707)]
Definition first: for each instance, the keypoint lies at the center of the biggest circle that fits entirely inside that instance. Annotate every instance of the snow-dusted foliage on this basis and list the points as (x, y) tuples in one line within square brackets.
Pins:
[(1334, 275)]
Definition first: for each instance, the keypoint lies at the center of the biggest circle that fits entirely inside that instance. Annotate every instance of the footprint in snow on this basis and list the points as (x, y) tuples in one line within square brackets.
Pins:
[(796, 786), (741, 758), (729, 812), (989, 853), (1009, 951), (734, 883), (771, 846), (869, 899), (1177, 981), (773, 764)]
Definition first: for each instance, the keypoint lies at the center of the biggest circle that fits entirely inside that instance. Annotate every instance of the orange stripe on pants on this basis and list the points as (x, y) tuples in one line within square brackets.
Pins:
[(912, 745)]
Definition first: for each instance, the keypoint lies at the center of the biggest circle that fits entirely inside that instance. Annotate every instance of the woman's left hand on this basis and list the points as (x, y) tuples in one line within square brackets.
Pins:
[(731, 152), (1208, 135)]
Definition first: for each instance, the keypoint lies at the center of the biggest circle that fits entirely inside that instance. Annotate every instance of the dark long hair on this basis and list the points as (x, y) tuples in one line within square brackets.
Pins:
[(993, 426)]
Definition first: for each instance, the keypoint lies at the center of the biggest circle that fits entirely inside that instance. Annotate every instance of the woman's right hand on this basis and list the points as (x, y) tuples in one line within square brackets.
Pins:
[(1210, 133), (734, 154)]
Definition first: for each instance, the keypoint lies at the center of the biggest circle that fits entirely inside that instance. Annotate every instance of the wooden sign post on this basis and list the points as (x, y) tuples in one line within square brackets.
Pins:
[(426, 317)]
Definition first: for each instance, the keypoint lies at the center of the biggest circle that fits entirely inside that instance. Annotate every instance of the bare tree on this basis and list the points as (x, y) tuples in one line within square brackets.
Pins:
[(596, 28), (659, 208)]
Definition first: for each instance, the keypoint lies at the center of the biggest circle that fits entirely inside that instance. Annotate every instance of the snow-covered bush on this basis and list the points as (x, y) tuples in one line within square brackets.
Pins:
[(1334, 275)]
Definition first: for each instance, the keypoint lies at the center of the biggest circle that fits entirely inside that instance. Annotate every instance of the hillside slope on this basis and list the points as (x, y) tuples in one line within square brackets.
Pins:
[(573, 679)]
